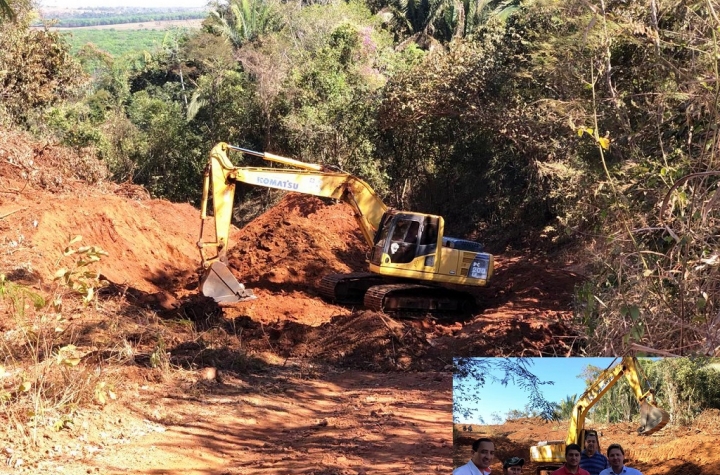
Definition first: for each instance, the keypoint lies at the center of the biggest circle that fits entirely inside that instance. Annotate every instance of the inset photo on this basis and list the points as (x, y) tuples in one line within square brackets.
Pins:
[(586, 416)]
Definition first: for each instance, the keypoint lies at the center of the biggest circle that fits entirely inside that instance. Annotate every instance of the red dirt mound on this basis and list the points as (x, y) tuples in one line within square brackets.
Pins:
[(296, 243), (45, 199), (283, 254)]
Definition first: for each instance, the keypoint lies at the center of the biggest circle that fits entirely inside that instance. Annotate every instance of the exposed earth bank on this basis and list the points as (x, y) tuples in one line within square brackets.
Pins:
[(300, 385)]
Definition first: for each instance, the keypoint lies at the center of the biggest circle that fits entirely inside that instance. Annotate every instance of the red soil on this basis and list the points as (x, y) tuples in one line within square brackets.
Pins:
[(49, 194)]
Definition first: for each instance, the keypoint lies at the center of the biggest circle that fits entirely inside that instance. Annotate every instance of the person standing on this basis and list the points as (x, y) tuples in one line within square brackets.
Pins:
[(572, 462), (483, 452), (513, 466), (591, 459), (616, 457)]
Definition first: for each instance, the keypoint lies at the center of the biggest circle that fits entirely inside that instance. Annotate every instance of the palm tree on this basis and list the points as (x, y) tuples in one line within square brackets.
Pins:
[(447, 19), (479, 12), (242, 20), (565, 408)]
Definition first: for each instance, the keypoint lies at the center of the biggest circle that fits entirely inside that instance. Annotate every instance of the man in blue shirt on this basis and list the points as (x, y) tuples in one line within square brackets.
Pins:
[(616, 457), (591, 459)]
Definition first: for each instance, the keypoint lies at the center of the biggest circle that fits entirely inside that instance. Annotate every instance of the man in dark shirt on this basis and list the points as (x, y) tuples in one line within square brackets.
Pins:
[(591, 459)]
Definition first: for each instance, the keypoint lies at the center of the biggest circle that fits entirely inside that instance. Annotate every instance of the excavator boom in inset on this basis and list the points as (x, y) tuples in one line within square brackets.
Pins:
[(410, 257), (551, 454)]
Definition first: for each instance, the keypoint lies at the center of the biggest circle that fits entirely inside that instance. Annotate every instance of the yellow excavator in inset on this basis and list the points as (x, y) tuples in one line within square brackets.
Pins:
[(410, 256), (550, 455)]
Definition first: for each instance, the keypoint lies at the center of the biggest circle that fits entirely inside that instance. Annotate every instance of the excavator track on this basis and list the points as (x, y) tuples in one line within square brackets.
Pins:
[(349, 288), (386, 295), (417, 298)]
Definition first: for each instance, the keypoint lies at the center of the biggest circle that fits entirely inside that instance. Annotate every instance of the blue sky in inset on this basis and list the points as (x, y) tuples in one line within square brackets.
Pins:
[(493, 397)]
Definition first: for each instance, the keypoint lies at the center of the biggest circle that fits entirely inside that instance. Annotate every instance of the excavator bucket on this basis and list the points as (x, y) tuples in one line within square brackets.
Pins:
[(219, 283), (652, 419)]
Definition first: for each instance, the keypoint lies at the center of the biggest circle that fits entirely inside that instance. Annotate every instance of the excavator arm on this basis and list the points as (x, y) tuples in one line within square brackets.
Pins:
[(220, 178), (652, 418)]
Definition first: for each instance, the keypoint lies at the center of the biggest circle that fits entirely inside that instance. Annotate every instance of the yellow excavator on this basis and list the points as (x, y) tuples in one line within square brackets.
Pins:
[(410, 256), (550, 455)]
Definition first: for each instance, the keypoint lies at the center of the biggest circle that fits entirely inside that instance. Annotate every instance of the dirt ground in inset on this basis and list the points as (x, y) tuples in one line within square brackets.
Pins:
[(674, 450), (304, 385)]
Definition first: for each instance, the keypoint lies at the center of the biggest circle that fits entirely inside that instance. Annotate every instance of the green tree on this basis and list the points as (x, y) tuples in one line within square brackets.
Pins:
[(6, 11), (36, 69), (470, 375), (686, 386), (171, 159), (423, 20)]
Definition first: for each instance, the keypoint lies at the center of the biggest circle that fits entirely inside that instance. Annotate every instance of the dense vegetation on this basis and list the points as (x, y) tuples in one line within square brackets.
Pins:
[(527, 124)]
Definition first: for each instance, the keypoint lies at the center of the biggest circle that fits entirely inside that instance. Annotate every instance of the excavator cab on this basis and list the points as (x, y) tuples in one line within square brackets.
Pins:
[(402, 236)]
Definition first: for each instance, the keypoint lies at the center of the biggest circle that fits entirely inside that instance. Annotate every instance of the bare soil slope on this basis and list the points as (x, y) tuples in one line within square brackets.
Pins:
[(671, 451), (302, 383)]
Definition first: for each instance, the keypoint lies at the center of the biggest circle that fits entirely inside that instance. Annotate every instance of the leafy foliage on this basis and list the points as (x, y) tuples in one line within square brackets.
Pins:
[(17, 296), (565, 407), (242, 21), (79, 277), (470, 375), (6, 11), (35, 68)]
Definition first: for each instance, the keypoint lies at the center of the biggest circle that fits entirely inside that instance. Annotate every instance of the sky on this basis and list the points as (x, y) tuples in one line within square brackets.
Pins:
[(496, 398), (123, 3)]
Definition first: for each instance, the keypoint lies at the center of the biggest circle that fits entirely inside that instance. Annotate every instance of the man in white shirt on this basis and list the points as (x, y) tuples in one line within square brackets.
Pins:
[(483, 452), (616, 457)]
